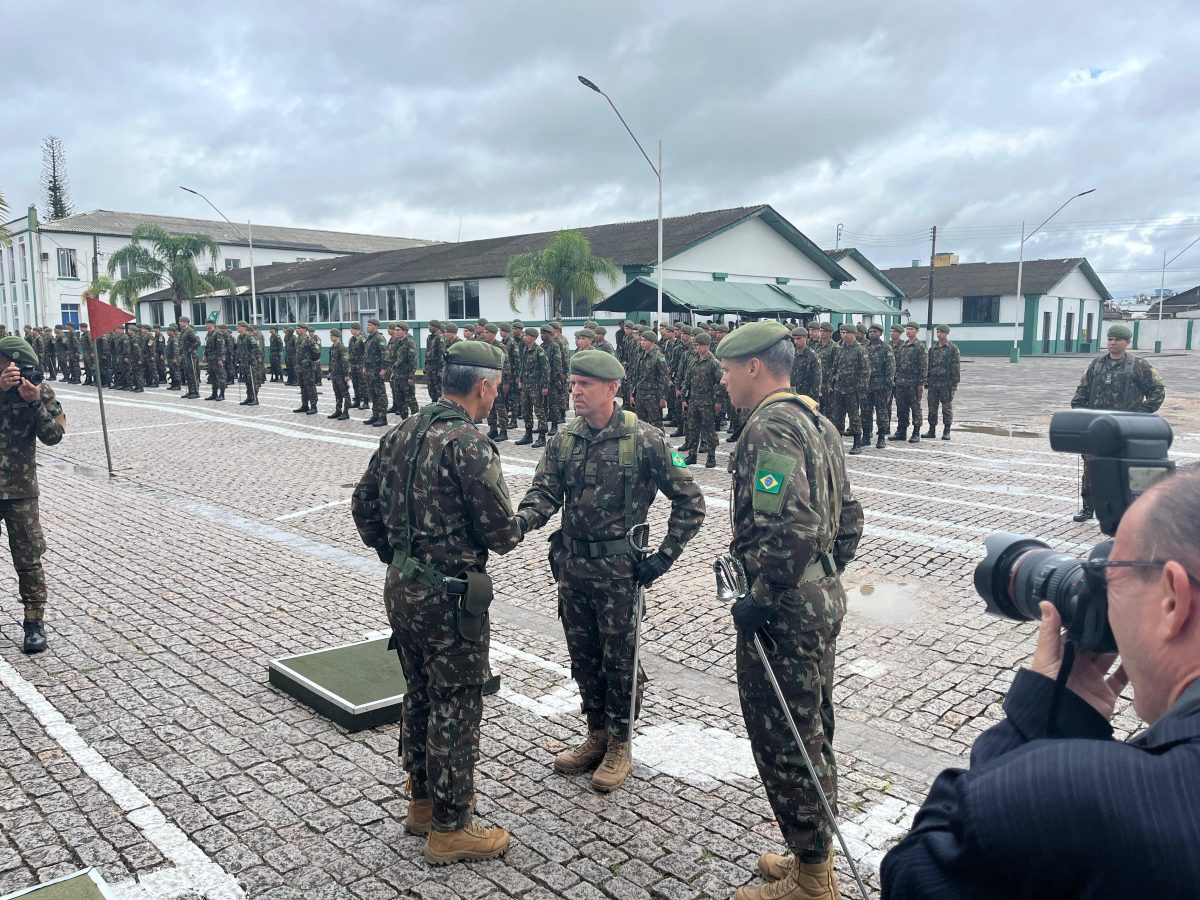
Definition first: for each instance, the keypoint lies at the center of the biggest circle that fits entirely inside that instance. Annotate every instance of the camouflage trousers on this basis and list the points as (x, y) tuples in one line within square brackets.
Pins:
[(443, 703), (701, 426), (877, 412), (1085, 485), (216, 374), (408, 398), (25, 541), (597, 619), (533, 404), (73, 367), (800, 648), (941, 395), (648, 410), (378, 395), (341, 392), (276, 368), (433, 381), (498, 415), (191, 373), (173, 372), (308, 387), (150, 372), (359, 382), (250, 380), (847, 405), (555, 408), (134, 377), (513, 402), (908, 404)]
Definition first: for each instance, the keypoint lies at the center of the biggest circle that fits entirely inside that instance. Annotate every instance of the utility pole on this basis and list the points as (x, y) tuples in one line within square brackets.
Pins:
[(837, 241), (929, 307)]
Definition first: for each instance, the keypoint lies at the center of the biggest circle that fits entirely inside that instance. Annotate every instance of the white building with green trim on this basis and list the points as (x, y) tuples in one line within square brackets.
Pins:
[(1061, 308)]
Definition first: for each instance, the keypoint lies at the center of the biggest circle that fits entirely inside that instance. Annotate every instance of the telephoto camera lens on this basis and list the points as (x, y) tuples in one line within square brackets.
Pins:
[(31, 374), (1019, 572)]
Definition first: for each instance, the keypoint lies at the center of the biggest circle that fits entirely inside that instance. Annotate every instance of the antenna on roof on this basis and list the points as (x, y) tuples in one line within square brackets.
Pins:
[(459, 241)]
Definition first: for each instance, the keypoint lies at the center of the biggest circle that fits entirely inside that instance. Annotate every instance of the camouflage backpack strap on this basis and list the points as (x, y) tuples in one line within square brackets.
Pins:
[(568, 439)]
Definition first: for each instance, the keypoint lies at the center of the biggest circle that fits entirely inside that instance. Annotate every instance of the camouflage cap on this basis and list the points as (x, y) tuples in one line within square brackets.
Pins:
[(753, 338), (18, 350), (800, 331), (704, 340), (335, 332), (530, 332), (597, 364), (1120, 331), (944, 329), (475, 353)]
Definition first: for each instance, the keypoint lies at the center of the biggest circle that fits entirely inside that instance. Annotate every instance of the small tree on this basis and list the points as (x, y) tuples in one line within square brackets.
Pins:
[(5, 237), (566, 268), (120, 294), (54, 179), (170, 261)]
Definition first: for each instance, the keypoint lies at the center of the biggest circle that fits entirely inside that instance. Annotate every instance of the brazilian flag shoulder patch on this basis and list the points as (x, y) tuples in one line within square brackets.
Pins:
[(768, 482), (678, 460)]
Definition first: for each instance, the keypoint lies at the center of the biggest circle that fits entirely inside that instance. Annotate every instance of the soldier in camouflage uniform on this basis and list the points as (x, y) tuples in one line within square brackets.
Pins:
[(133, 350), (189, 344), (214, 358), (603, 471), (260, 367), (71, 339), (685, 357), (339, 375), (389, 363), (1119, 381), (149, 344), (404, 372), (823, 346), (945, 367), (232, 372), (88, 351), (516, 345), (28, 413), (289, 355), (796, 525), (308, 361), (700, 403), (432, 504), (602, 342), (276, 352), (806, 367), (648, 390), (354, 352), (533, 381), (172, 358), (911, 368), (850, 377), (435, 352), (248, 353), (558, 376), (877, 404), (57, 345), (897, 332), (375, 373), (160, 355), (498, 416)]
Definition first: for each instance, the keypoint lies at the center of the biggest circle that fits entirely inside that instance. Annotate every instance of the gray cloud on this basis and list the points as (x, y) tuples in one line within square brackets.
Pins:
[(403, 117)]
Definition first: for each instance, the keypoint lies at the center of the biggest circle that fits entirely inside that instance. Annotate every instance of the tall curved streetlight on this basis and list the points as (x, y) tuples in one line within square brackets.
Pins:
[(249, 240), (657, 173), (1015, 355), (1162, 290)]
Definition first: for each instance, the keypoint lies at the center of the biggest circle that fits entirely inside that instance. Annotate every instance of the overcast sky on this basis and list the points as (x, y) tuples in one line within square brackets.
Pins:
[(408, 118)]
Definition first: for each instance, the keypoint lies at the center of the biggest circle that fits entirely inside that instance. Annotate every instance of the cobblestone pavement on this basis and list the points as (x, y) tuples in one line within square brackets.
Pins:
[(148, 743)]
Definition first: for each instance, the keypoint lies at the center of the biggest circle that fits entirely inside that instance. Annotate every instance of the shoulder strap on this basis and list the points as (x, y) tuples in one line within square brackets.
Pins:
[(627, 454), (568, 439), (434, 412)]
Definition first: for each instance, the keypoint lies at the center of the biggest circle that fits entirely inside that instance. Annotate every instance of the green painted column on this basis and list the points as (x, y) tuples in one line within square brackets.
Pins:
[(1056, 344), (1137, 327), (1188, 340)]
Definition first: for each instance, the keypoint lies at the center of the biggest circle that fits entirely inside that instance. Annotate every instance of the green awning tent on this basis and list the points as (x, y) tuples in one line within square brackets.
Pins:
[(741, 298)]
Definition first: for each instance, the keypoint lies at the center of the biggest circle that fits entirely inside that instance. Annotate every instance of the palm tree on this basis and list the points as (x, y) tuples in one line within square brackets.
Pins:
[(119, 292), (170, 259), (566, 268)]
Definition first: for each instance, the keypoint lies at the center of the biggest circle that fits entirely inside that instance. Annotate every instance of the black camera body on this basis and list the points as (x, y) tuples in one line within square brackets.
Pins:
[(32, 374), (1126, 454)]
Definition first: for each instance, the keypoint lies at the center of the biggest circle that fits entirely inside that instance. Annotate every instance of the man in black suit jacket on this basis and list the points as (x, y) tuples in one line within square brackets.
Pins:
[(1081, 814)]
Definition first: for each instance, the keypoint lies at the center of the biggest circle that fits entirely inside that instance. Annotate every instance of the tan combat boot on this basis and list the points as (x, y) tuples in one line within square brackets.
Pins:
[(614, 769), (468, 843), (774, 867), (585, 757), (419, 819), (802, 881)]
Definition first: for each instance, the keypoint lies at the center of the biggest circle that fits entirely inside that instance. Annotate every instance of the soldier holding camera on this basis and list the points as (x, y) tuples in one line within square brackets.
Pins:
[(28, 411)]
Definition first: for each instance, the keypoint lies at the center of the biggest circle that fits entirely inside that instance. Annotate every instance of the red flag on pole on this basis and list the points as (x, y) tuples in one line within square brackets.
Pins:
[(104, 317)]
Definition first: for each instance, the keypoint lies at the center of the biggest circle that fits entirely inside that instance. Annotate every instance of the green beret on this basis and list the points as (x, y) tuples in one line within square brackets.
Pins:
[(354, 327), (585, 333), (335, 332), (172, 328), (517, 323), (875, 326), (628, 323), (223, 325), (590, 323), (898, 328), (600, 330), (491, 327), (751, 339), (597, 364), (433, 323), (156, 327), (242, 323), (721, 327), (860, 328), (18, 350), (1120, 331), (375, 322), (185, 319), (556, 325), (481, 322), (475, 353), (800, 331), (945, 329), (305, 327), (546, 329), (847, 328), (649, 334), (703, 339), (403, 325), (449, 326), (531, 332)]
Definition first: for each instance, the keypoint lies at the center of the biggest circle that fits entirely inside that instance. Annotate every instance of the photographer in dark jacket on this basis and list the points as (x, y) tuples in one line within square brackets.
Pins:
[(27, 410), (1081, 814)]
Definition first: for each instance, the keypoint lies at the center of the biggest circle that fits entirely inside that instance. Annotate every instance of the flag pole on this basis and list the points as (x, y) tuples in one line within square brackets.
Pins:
[(103, 318), (100, 397)]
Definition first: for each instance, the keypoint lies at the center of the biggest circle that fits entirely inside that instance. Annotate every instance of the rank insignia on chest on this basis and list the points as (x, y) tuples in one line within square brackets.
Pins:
[(768, 482), (677, 459)]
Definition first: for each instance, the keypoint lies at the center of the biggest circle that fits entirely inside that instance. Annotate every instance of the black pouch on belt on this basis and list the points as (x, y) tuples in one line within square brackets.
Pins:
[(472, 597), (556, 545)]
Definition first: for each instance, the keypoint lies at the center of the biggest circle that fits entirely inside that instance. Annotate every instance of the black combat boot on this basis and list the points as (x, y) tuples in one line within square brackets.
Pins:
[(678, 432), (35, 635), (336, 414), (213, 395), (312, 410), (541, 440), (221, 395), (554, 428), (1083, 515), (502, 436), (711, 461), (512, 421), (945, 432), (857, 448), (690, 459), (916, 436), (371, 421), (866, 437), (932, 432), (901, 434), (528, 439), (381, 422), (345, 414), (879, 443)]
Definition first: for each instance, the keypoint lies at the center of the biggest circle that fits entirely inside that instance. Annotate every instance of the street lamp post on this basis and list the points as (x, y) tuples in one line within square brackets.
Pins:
[(249, 240), (1162, 290), (1015, 355), (658, 173)]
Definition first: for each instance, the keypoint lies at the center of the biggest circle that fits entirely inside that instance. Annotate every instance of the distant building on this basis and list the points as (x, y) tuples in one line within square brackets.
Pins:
[(45, 270), (1060, 312), (1184, 305)]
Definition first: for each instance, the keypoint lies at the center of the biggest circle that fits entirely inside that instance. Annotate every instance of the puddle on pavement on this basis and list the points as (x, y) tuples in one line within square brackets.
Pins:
[(999, 431), (62, 465), (892, 604)]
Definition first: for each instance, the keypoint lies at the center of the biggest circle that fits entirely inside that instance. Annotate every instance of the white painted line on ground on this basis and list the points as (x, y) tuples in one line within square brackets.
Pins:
[(194, 872), (971, 504), (135, 428), (1063, 546), (312, 509)]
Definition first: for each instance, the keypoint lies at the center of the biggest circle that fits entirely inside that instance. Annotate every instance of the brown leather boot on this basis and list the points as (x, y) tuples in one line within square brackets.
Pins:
[(614, 769), (465, 845), (804, 881), (585, 757), (419, 820)]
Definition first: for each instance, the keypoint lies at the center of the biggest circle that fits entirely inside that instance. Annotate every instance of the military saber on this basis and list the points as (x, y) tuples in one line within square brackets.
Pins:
[(732, 585), (639, 542)]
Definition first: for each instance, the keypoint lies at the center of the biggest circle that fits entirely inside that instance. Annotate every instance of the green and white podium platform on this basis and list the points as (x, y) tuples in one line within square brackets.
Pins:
[(84, 885), (358, 685)]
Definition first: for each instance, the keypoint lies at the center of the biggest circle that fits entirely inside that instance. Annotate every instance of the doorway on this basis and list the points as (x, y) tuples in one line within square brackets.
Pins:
[(1046, 332), (1069, 335)]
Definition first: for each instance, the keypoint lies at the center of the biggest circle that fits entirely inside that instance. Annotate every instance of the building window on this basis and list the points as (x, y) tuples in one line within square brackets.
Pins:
[(576, 308), (394, 303), (156, 314), (232, 264), (237, 308), (70, 314), (463, 299), (66, 263), (199, 312), (981, 309), (125, 268), (12, 266), (24, 261)]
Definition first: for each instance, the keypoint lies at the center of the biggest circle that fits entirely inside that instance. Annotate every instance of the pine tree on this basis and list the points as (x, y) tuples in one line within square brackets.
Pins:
[(54, 179)]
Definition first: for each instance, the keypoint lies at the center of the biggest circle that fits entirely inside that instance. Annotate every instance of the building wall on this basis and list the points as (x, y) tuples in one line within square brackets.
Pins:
[(752, 252)]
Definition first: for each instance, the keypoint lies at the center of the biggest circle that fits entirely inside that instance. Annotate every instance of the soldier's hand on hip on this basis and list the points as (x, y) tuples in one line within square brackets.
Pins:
[(749, 617)]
